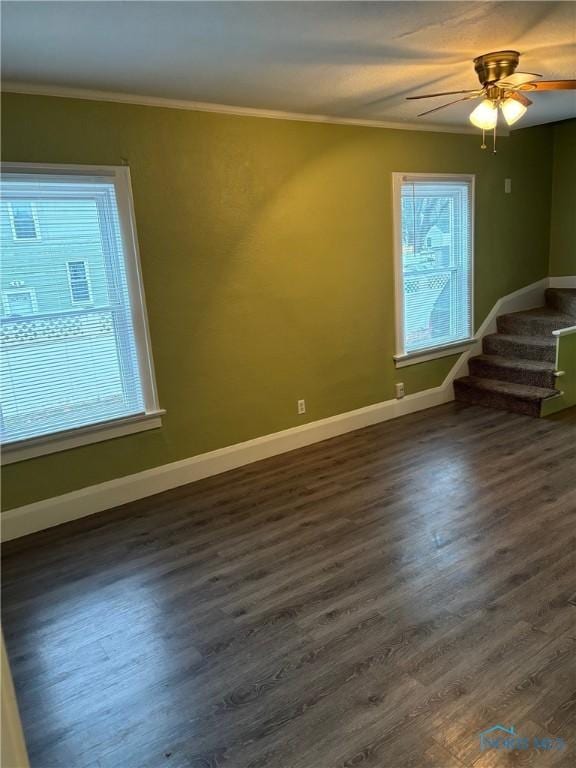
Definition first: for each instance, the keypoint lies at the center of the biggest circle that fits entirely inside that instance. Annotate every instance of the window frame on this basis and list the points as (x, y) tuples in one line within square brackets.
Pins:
[(90, 299), (37, 234), (151, 418), (401, 357)]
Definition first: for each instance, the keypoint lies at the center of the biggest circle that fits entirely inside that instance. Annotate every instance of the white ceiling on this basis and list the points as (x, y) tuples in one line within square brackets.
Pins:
[(341, 59)]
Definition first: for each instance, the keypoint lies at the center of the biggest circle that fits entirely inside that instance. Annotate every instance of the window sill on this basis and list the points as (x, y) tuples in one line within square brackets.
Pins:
[(422, 356), (74, 438)]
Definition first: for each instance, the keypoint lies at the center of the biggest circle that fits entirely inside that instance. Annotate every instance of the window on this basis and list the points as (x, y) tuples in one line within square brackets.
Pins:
[(434, 243), (79, 282), (20, 302), (24, 220), (75, 356)]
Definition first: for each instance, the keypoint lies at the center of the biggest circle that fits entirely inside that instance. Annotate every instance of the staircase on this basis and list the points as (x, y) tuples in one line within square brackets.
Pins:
[(516, 370)]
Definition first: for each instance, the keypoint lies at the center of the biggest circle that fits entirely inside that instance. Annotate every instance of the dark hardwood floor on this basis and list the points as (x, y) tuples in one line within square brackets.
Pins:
[(380, 598)]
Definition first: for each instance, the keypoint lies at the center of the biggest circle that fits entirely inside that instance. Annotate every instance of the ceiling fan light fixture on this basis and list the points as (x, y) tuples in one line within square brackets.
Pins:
[(512, 110), (502, 88), (485, 115)]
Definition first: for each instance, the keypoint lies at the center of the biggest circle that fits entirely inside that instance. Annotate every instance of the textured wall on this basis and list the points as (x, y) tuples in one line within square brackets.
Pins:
[(268, 266), (563, 222)]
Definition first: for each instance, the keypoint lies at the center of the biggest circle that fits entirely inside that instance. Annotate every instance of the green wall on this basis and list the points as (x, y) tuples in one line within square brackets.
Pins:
[(563, 222), (266, 250)]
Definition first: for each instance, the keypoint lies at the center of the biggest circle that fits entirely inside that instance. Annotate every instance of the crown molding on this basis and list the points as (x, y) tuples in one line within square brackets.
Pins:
[(34, 89)]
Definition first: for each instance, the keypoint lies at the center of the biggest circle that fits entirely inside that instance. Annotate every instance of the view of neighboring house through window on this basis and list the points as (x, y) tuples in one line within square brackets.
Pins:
[(434, 261), (74, 348), (79, 282), (24, 220)]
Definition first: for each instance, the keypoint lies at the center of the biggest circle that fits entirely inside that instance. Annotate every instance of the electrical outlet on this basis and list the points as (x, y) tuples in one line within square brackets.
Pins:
[(301, 406), (508, 186), (400, 389)]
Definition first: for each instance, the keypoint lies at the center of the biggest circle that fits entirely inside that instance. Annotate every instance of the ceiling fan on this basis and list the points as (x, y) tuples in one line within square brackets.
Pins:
[(502, 88)]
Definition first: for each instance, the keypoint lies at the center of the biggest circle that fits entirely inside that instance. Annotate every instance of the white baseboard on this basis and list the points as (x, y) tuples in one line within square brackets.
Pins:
[(567, 281), (96, 498)]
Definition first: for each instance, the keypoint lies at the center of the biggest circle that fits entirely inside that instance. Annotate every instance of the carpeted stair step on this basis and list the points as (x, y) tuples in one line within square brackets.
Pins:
[(523, 347), (534, 373), (562, 300), (504, 395), (534, 322)]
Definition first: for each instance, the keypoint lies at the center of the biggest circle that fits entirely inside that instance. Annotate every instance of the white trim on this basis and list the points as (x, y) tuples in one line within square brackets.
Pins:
[(528, 297), (567, 281), (67, 169), (398, 265), (96, 498), (73, 438), (127, 219), (413, 358), (87, 501), (33, 89), (565, 331), (397, 179)]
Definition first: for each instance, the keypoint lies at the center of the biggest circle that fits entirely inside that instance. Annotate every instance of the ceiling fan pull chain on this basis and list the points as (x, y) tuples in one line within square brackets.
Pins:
[(494, 140), (483, 145)]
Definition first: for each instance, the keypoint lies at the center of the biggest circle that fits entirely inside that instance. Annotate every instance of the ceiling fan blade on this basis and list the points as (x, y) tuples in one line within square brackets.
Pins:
[(517, 96), (449, 104), (550, 85), (445, 93), (518, 78)]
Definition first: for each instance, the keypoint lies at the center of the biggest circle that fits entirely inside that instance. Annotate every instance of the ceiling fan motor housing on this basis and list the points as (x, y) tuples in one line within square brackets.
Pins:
[(496, 66)]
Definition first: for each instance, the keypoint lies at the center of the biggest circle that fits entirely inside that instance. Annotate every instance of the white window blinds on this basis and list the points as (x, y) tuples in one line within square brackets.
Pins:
[(74, 349), (434, 244)]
